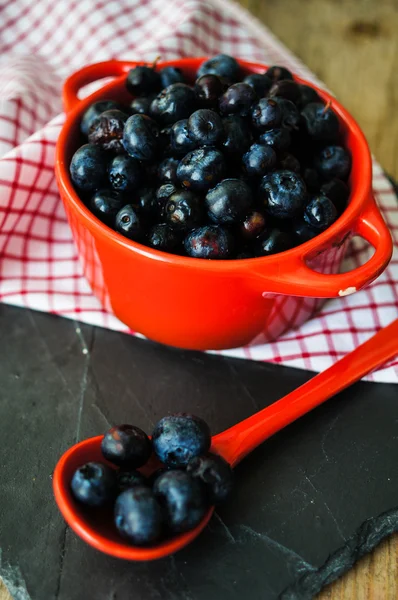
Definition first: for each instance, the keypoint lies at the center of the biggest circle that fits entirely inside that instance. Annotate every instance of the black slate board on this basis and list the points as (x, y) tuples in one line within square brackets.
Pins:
[(308, 503)]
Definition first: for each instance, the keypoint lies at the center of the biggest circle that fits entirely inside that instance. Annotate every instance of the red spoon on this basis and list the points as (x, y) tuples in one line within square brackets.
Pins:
[(233, 444)]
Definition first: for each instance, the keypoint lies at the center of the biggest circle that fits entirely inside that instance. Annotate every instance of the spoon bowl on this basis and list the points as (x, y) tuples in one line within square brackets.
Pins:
[(95, 526)]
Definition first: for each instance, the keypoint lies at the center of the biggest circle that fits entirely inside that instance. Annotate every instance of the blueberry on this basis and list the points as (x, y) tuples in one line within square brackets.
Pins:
[(302, 232), (125, 173), (215, 474), (237, 100), (143, 80), (291, 117), (184, 210), (333, 162), (307, 95), (205, 127), (289, 162), (221, 65), (147, 203), (163, 193), (283, 194), (201, 169), (228, 201), (141, 137), (107, 130), (338, 192), (180, 141), (175, 102), (286, 88), (128, 479), (182, 499), (177, 438), (163, 237), (167, 170), (88, 167), (320, 212), (105, 204), (252, 225), (141, 105), (259, 160), (266, 114), (94, 484), (237, 135), (126, 446), (260, 83), (170, 75), (128, 223), (210, 241), (208, 90), (273, 242), (279, 139), (276, 73), (320, 122), (138, 516), (312, 180), (93, 112)]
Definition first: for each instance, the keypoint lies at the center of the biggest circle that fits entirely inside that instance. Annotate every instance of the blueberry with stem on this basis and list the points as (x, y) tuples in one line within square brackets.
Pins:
[(143, 80)]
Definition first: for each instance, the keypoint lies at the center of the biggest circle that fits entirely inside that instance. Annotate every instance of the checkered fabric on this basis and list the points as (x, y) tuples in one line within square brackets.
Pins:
[(43, 42)]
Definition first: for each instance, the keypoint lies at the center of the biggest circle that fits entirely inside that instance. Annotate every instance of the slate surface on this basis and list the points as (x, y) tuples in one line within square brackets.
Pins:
[(307, 503)]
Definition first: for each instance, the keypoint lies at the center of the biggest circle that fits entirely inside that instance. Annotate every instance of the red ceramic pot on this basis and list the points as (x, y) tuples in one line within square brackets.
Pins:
[(199, 304)]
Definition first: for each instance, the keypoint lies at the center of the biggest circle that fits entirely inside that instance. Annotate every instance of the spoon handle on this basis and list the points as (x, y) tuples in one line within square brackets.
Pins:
[(238, 441)]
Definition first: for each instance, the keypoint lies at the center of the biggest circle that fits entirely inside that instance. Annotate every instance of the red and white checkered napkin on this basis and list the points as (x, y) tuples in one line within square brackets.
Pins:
[(43, 42)]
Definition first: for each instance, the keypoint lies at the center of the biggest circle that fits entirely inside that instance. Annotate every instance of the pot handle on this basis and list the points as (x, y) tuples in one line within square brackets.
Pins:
[(109, 68), (300, 280)]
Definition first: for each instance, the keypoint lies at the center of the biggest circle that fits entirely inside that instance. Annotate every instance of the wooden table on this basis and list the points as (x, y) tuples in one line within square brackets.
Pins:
[(353, 47)]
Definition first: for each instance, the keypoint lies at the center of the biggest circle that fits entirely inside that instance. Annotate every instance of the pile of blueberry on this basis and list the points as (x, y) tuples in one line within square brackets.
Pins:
[(174, 498), (228, 166)]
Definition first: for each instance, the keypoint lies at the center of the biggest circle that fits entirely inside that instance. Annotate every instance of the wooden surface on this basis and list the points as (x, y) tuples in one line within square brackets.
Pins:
[(351, 45), (4, 593)]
